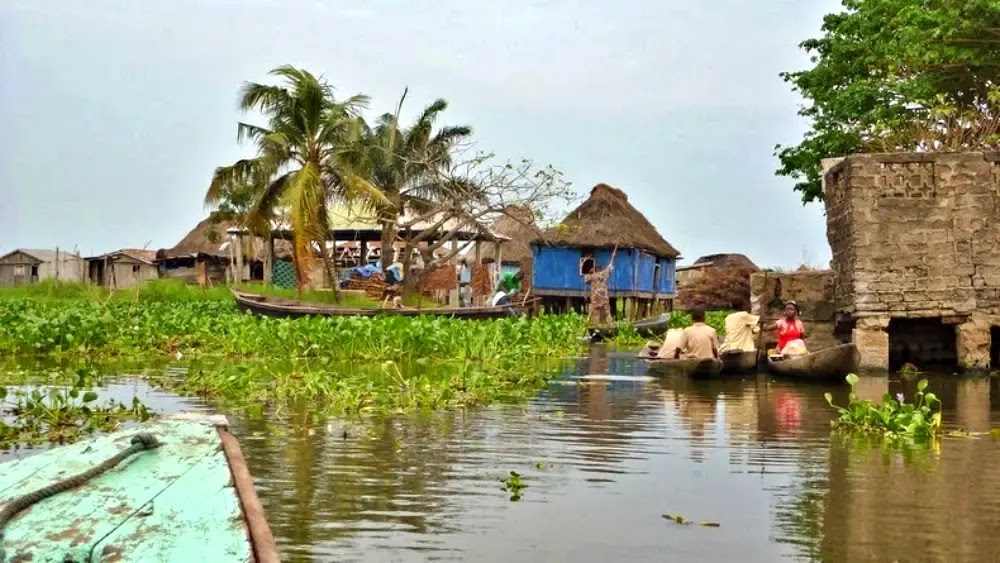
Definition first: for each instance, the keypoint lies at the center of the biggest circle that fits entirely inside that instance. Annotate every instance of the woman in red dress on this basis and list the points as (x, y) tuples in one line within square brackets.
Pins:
[(790, 327)]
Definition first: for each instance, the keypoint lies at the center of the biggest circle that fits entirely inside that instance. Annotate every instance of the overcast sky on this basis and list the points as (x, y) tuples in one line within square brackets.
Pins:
[(114, 114)]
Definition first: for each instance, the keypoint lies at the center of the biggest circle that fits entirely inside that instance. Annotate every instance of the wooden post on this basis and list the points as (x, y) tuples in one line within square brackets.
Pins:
[(237, 248), (453, 295), (362, 253), (269, 259)]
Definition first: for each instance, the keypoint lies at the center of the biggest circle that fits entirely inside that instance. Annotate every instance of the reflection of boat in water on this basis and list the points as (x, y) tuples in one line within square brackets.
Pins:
[(176, 489), (824, 365)]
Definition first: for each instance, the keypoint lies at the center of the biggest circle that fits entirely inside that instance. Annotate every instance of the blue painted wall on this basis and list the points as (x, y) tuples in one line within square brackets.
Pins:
[(668, 275), (556, 268), (646, 269)]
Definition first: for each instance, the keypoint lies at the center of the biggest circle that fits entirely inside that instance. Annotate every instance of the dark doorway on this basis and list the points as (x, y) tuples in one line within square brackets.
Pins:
[(995, 347), (926, 343)]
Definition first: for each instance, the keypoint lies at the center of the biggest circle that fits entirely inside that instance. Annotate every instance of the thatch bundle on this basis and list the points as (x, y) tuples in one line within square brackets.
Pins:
[(718, 289), (607, 220)]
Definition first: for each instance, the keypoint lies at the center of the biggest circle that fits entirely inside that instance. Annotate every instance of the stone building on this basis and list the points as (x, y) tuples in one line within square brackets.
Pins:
[(916, 256)]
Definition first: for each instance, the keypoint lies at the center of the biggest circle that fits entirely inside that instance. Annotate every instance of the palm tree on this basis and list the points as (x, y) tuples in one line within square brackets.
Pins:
[(405, 164), (303, 160)]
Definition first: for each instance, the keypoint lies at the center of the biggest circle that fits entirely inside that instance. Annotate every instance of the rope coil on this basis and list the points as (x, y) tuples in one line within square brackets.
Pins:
[(139, 443)]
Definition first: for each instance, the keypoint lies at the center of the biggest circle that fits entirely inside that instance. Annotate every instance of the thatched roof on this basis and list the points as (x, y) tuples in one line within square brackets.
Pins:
[(726, 261), (606, 220), (207, 237), (518, 224), (210, 238)]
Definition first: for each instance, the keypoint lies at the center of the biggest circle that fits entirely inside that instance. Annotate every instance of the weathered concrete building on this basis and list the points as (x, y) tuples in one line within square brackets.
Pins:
[(916, 256), (24, 266)]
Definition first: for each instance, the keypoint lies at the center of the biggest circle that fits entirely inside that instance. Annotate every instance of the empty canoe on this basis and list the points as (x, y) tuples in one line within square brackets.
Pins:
[(735, 362), (651, 326), (267, 306), (824, 365), (178, 490)]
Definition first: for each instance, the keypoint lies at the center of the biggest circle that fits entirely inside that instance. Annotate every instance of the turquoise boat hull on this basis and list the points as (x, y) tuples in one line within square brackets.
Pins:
[(185, 500)]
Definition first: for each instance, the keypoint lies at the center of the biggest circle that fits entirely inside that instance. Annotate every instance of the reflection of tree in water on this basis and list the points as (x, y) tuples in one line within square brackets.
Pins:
[(313, 475)]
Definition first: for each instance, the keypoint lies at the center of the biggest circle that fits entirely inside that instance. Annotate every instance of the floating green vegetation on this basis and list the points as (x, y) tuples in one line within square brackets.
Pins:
[(147, 329), (513, 485), (59, 415), (894, 418)]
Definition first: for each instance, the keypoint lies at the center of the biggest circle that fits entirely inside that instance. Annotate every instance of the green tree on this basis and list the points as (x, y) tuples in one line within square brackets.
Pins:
[(305, 161), (409, 166), (896, 75)]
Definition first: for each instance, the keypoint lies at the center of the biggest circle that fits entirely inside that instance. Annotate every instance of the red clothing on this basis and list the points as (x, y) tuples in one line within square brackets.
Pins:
[(788, 331)]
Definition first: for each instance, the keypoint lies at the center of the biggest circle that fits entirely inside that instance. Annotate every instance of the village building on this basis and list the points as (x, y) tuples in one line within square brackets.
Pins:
[(26, 266), (643, 279), (518, 225), (122, 268), (206, 256), (915, 275), (706, 264)]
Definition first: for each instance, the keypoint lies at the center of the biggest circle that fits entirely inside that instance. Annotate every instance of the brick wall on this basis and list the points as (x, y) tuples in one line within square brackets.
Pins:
[(813, 291), (915, 235)]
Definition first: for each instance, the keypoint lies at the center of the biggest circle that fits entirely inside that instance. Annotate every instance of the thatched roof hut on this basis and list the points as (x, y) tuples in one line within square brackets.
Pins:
[(210, 238), (518, 225), (607, 220)]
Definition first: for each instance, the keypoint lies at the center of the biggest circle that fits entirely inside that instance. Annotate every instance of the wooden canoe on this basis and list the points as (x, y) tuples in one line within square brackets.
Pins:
[(651, 326), (189, 499), (691, 367), (824, 365), (735, 362), (267, 306)]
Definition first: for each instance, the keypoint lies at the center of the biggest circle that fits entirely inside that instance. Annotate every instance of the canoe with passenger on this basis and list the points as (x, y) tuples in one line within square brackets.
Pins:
[(792, 359), (268, 306), (176, 489), (693, 351)]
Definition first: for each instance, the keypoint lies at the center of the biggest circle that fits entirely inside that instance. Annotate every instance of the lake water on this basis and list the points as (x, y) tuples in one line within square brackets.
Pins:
[(603, 461)]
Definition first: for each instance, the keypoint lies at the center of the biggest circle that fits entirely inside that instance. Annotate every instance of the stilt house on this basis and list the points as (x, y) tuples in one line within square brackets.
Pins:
[(643, 280)]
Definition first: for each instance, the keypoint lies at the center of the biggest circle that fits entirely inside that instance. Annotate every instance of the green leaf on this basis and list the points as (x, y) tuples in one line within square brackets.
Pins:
[(89, 396), (829, 398), (852, 379), (921, 385)]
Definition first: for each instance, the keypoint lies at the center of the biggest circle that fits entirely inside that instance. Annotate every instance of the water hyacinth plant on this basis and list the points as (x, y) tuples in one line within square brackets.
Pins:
[(894, 418)]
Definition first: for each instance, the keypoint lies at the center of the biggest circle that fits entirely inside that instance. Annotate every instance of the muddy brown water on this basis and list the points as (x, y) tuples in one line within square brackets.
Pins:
[(603, 461)]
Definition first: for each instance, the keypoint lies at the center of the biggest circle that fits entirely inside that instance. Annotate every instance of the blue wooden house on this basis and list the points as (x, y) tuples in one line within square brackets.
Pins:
[(644, 277)]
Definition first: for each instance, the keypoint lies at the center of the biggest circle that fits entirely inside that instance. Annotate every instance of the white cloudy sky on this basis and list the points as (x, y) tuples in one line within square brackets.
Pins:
[(115, 113)]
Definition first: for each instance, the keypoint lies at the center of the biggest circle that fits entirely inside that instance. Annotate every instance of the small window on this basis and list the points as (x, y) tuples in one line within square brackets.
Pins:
[(19, 271), (135, 269), (34, 270), (587, 264), (656, 276)]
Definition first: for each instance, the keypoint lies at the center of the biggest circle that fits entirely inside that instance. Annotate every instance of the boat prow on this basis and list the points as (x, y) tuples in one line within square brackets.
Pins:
[(185, 496), (824, 365)]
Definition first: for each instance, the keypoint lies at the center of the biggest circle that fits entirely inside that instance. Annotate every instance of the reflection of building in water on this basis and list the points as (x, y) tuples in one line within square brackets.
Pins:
[(912, 504)]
